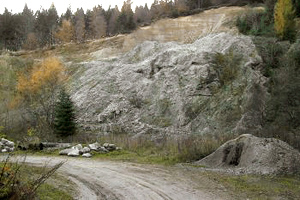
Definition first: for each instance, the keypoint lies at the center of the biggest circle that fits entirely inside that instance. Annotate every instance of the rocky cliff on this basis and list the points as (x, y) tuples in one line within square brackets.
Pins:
[(210, 86)]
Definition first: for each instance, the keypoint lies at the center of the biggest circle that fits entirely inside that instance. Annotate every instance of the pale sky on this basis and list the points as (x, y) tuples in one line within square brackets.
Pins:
[(17, 6)]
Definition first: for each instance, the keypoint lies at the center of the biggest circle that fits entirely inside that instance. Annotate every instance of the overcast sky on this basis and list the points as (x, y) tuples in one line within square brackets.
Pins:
[(17, 6)]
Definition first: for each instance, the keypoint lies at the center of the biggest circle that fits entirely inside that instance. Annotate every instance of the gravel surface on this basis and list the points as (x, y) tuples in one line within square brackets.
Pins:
[(120, 180)]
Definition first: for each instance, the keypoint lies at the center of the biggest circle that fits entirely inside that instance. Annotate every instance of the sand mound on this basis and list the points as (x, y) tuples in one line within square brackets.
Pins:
[(250, 154)]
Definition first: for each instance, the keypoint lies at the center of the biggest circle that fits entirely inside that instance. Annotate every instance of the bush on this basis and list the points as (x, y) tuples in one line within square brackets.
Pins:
[(271, 51), (226, 66), (256, 23), (12, 184)]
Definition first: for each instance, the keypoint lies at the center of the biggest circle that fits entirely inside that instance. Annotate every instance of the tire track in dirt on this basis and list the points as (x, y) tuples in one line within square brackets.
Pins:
[(97, 179)]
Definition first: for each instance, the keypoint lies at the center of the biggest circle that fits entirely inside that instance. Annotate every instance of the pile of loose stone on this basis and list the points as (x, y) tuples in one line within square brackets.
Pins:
[(78, 150), (6, 145)]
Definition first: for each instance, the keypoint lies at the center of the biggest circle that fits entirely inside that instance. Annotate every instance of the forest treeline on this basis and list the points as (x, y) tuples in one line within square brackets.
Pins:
[(30, 30)]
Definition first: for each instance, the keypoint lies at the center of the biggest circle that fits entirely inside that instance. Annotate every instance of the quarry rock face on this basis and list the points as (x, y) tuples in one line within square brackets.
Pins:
[(210, 86), (250, 154)]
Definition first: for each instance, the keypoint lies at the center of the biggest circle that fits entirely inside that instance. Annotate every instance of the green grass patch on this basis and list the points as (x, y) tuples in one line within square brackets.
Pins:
[(144, 157), (49, 192), (261, 187)]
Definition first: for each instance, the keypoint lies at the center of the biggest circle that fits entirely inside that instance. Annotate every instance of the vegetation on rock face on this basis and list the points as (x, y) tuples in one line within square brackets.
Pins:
[(64, 116), (256, 23), (226, 66)]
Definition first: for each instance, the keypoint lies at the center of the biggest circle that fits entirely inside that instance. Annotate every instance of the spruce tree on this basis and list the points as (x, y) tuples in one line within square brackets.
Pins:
[(64, 121)]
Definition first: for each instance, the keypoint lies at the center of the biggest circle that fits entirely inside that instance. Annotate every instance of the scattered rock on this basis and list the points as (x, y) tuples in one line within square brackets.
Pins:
[(94, 146), (86, 155), (110, 147), (85, 150), (74, 153), (65, 151), (6, 145), (118, 148), (102, 150), (248, 154), (78, 147)]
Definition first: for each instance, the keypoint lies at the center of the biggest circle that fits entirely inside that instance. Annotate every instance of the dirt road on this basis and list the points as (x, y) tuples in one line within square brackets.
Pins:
[(118, 180)]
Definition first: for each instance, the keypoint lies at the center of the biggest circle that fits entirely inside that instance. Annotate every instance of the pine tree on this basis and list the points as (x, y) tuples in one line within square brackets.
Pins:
[(297, 7), (64, 121), (284, 15), (79, 25)]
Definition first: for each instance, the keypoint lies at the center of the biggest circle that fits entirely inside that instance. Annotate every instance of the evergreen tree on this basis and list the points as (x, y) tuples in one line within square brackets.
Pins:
[(125, 20), (112, 27), (297, 7), (64, 121), (28, 20), (79, 25)]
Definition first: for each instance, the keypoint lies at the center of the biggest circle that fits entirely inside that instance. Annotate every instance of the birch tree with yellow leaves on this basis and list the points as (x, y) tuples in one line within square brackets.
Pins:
[(38, 89), (284, 20)]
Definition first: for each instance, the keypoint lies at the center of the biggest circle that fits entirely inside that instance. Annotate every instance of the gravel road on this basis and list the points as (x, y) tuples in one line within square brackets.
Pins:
[(98, 179)]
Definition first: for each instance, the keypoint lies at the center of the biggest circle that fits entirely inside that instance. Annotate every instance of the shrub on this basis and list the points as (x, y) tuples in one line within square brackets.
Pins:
[(226, 66), (255, 23), (13, 186), (271, 51)]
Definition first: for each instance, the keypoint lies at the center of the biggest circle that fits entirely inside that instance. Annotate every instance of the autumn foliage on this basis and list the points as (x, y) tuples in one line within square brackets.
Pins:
[(284, 15), (43, 78), (37, 91), (66, 31)]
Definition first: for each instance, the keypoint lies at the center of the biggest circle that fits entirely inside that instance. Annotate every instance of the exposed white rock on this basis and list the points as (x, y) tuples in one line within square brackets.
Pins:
[(102, 150), (85, 150), (78, 147), (94, 146), (65, 151), (74, 153), (171, 88), (6, 145), (87, 155)]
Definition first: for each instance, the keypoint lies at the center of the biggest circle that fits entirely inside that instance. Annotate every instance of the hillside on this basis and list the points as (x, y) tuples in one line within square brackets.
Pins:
[(192, 75), (174, 88)]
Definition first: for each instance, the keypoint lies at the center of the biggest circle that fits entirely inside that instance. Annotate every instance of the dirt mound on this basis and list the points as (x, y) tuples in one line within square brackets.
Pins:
[(250, 154)]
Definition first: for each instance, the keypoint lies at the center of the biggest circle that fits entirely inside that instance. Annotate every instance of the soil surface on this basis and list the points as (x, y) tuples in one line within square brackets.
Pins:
[(98, 179)]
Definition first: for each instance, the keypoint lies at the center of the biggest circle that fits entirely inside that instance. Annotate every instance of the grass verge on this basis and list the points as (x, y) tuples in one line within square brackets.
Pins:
[(21, 181), (259, 187)]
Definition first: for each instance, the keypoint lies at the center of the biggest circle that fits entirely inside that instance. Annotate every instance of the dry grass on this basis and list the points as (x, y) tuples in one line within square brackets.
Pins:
[(164, 149)]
